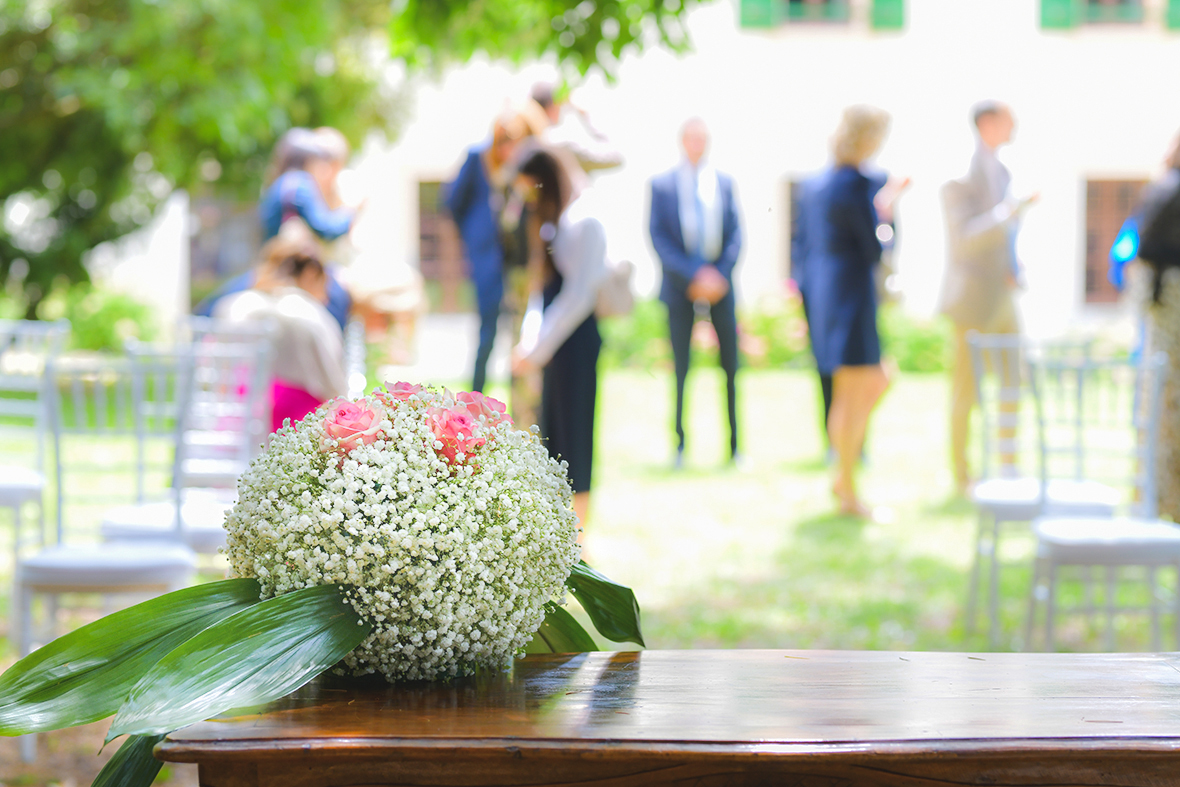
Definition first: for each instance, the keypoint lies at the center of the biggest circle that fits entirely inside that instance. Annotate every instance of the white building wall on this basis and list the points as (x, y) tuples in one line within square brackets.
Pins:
[(1090, 103)]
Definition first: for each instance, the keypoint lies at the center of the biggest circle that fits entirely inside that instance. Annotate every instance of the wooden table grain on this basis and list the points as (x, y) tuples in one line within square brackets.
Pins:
[(812, 718)]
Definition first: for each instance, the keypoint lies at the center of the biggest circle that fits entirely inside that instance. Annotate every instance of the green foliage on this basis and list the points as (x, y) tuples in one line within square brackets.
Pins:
[(249, 658), (133, 765), (612, 607), (582, 34), (772, 335), (100, 320), (85, 675), (915, 345), (560, 633), (113, 104), (638, 340)]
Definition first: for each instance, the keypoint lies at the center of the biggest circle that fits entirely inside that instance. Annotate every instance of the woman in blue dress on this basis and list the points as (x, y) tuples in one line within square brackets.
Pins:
[(837, 249)]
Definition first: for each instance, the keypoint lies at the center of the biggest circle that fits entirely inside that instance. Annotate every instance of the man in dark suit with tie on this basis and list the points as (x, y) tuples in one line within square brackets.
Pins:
[(697, 236)]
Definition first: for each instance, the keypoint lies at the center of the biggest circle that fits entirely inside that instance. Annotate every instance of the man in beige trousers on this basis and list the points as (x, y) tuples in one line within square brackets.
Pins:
[(982, 272)]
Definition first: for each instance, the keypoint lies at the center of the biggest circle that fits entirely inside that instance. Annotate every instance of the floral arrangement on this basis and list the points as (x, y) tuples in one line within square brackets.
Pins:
[(451, 528), (413, 533)]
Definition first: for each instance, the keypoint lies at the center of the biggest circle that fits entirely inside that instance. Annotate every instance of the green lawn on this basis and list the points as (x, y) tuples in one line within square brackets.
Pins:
[(753, 557)]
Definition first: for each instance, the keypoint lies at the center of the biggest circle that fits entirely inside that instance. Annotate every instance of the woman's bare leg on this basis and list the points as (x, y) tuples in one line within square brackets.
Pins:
[(855, 392)]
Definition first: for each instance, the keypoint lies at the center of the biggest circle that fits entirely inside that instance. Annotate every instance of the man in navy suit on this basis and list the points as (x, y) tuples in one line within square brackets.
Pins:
[(697, 235)]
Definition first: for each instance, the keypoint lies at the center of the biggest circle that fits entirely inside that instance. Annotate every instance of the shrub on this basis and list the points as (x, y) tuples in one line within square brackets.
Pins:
[(771, 335), (916, 345), (100, 320)]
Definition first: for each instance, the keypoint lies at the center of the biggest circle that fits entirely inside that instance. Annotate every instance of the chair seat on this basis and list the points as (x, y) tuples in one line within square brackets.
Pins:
[(203, 522), (211, 472), (1069, 497), (1087, 541), (1020, 498), (107, 566), (20, 485), (1009, 498)]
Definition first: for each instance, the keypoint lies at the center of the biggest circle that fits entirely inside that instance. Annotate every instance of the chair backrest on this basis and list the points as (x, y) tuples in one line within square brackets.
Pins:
[(356, 353), (26, 346), (1101, 421), (1010, 443), (232, 362), (114, 424)]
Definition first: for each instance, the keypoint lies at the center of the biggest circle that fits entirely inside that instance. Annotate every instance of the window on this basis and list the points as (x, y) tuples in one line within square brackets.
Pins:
[(440, 253), (1108, 204), (224, 242), (883, 14), (1063, 14)]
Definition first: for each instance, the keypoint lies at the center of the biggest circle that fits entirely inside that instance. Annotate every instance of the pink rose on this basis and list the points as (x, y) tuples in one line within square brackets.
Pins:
[(403, 391), (455, 429), (352, 423), (477, 404)]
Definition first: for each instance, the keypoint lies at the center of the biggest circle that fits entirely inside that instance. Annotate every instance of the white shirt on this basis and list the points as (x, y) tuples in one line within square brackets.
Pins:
[(579, 254), (308, 342)]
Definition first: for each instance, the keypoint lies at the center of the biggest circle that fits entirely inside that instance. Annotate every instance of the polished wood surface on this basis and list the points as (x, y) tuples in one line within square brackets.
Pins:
[(720, 717)]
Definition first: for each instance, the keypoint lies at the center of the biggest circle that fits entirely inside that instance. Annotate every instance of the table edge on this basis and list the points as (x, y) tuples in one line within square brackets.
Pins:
[(249, 749)]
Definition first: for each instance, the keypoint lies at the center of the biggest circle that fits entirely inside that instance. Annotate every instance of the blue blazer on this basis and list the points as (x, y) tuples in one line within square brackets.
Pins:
[(833, 251), (668, 239), (295, 193), (469, 199)]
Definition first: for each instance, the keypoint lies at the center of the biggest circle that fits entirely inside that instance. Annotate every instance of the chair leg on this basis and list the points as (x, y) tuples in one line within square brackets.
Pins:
[(1111, 591), (993, 600), (1051, 608), (1153, 589), (24, 602), (1033, 593), (973, 587)]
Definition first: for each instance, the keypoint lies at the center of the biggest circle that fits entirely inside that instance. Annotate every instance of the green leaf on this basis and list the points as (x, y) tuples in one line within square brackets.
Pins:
[(133, 764), (612, 607), (560, 633), (256, 656), (85, 675)]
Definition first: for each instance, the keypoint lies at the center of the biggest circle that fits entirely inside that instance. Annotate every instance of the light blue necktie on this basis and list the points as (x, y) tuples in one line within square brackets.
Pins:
[(699, 207)]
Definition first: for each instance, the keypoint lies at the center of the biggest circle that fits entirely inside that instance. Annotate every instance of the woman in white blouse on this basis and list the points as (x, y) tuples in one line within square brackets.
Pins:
[(569, 266)]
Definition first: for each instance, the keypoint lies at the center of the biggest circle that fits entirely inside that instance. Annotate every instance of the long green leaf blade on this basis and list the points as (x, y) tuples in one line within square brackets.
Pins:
[(256, 656), (560, 633), (85, 675), (612, 607), (133, 764)]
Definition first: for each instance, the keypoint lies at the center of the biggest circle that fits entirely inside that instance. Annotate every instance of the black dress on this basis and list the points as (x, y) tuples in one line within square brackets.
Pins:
[(569, 385)]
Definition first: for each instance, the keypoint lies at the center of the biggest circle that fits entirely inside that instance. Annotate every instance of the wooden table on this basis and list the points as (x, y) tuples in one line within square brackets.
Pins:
[(809, 718)]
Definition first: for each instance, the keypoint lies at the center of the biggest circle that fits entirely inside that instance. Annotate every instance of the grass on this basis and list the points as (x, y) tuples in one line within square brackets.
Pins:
[(753, 556)]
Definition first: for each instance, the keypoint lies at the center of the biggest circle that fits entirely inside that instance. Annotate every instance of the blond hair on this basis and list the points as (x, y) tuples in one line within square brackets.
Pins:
[(861, 131)]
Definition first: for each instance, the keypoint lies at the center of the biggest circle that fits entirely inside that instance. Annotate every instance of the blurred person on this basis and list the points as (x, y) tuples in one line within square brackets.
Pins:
[(884, 191), (301, 172), (1159, 247), (838, 249), (475, 200), (570, 129), (696, 231), (290, 291), (563, 342), (982, 273)]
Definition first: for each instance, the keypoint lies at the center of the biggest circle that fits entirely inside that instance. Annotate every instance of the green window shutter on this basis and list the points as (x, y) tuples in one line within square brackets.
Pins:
[(759, 13), (1058, 14), (887, 15), (1173, 16)]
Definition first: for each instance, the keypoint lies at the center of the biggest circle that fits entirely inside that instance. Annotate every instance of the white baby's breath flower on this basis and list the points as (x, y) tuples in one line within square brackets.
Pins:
[(450, 560)]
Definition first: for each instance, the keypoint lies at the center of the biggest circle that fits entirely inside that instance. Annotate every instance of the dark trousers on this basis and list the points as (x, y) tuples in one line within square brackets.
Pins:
[(488, 317), (681, 315)]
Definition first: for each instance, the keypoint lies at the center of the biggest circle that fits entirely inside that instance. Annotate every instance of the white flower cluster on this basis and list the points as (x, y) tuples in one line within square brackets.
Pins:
[(451, 559)]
